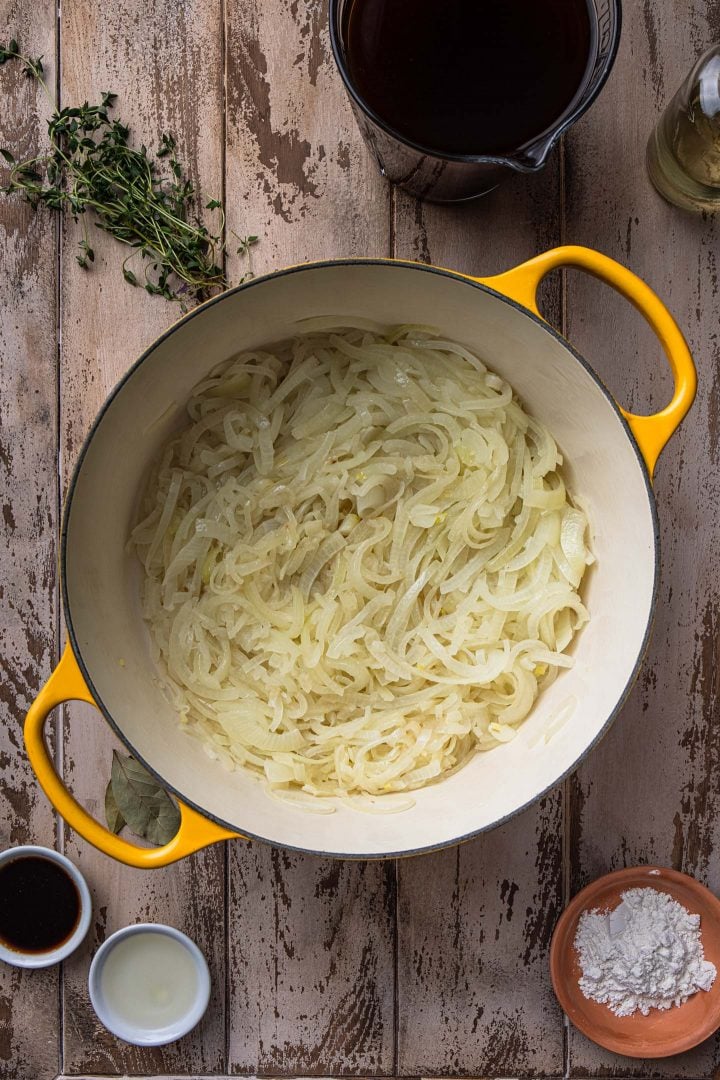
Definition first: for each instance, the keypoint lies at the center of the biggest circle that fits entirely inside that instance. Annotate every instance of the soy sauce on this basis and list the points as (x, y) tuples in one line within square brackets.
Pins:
[(39, 904), (468, 76)]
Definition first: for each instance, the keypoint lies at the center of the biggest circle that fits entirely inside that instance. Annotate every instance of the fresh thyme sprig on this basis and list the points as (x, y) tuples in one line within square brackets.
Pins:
[(91, 167)]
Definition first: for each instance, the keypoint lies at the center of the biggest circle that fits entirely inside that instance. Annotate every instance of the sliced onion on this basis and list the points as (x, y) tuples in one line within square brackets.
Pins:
[(360, 563)]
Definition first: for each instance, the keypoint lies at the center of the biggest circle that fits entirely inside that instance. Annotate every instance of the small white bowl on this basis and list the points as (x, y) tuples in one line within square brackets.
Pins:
[(119, 1025), (51, 956)]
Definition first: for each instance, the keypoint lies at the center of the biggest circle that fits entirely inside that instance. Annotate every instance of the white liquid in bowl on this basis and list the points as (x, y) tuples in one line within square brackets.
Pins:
[(149, 981)]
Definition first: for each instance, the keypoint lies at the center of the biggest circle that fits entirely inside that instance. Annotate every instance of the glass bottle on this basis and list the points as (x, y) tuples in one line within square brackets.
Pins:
[(683, 152)]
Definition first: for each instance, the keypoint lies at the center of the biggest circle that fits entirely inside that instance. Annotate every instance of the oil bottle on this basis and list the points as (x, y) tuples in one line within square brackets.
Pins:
[(683, 152)]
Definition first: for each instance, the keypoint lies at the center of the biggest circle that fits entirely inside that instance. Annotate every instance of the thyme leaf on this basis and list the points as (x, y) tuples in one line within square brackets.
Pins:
[(145, 202)]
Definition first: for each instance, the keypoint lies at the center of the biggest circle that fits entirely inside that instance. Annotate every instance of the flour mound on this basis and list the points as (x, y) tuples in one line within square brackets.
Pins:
[(645, 954)]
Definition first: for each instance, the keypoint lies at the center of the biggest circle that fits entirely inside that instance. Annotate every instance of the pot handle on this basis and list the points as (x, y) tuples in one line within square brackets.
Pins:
[(67, 684), (651, 432)]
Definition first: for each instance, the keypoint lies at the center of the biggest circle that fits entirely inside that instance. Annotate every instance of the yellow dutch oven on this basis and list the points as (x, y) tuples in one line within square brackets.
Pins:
[(610, 456)]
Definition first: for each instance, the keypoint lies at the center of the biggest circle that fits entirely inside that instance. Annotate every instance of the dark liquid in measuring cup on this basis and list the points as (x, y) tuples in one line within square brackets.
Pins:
[(468, 76), (39, 904)]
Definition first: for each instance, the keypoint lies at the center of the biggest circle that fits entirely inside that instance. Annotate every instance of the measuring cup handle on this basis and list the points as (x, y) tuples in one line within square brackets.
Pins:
[(651, 432)]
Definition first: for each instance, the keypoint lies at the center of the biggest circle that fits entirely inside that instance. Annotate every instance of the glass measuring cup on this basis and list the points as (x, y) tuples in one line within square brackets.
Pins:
[(447, 177)]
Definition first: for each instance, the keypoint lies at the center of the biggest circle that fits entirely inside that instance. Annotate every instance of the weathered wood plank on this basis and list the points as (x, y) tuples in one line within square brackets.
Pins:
[(29, 1035), (650, 792), (217, 1077), (474, 923), (311, 958), (311, 943), (490, 234), (298, 174), (165, 62), (311, 962)]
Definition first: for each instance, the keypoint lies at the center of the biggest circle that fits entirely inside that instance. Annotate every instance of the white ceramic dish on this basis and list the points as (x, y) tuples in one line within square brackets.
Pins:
[(52, 956), (135, 1033)]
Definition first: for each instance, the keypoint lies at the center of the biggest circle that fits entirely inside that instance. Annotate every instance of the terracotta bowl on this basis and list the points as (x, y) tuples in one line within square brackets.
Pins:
[(661, 1033)]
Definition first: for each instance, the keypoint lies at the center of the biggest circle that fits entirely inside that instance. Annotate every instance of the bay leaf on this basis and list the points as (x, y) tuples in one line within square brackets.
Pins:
[(145, 805), (115, 821)]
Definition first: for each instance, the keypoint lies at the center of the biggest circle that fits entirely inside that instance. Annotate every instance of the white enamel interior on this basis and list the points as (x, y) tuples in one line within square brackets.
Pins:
[(602, 466)]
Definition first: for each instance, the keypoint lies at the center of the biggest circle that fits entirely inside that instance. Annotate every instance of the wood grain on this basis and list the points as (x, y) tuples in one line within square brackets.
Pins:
[(311, 961), (650, 792), (164, 60), (474, 922), (311, 957), (438, 966), (298, 174), (29, 1000)]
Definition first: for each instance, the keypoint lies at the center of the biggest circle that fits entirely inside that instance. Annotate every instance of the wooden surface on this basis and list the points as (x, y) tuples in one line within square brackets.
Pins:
[(435, 966)]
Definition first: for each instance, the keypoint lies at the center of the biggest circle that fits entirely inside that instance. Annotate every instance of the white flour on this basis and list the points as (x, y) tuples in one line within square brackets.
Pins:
[(646, 954)]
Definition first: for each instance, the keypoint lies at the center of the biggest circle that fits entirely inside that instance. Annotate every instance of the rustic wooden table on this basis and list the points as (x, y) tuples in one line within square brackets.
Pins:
[(437, 965)]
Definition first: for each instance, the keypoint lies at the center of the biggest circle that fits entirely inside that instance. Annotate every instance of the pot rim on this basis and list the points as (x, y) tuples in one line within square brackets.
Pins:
[(300, 268)]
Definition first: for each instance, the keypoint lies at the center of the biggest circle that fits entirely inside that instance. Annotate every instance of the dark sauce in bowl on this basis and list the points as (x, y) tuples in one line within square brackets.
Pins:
[(39, 904)]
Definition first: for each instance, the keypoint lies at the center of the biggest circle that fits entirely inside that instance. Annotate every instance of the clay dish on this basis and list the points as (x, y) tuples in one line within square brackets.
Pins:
[(663, 1032)]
